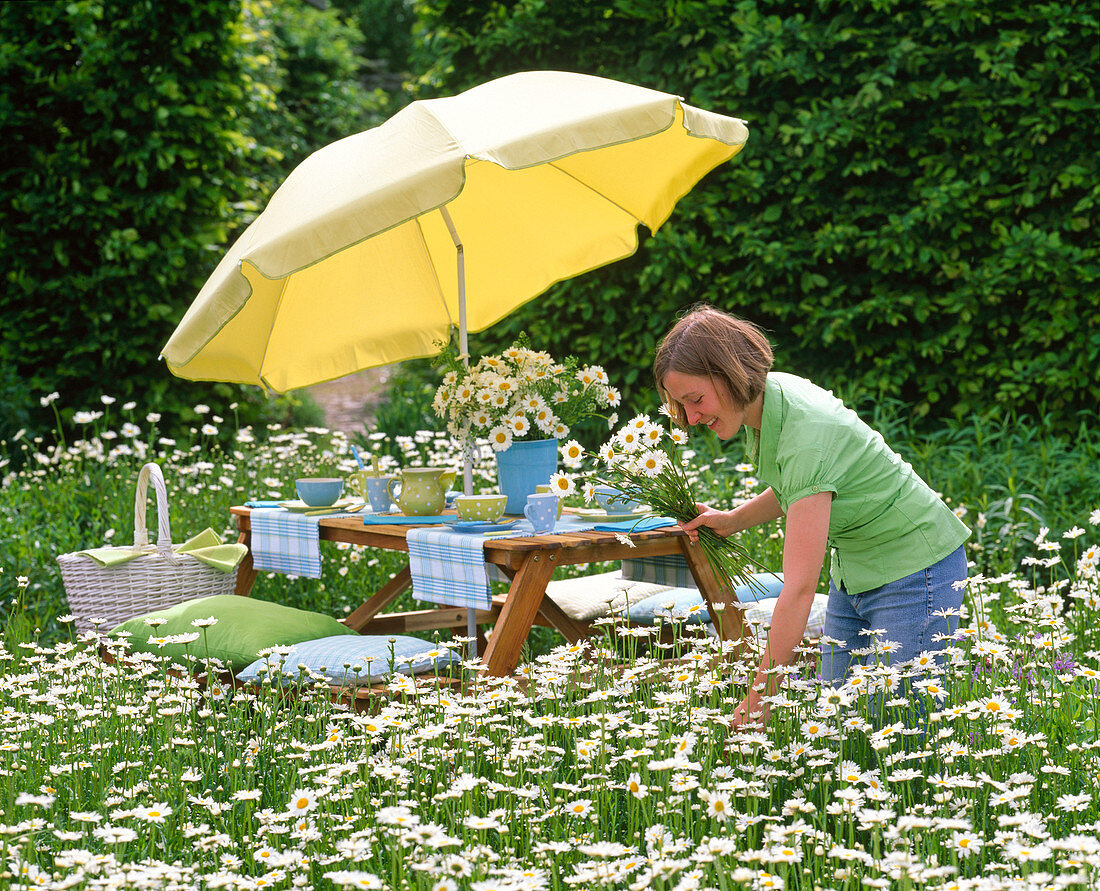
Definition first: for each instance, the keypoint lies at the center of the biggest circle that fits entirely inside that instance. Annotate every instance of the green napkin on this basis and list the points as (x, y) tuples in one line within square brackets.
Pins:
[(206, 546)]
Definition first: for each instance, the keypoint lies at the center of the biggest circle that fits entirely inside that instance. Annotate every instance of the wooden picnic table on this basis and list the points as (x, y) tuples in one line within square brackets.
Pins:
[(529, 563)]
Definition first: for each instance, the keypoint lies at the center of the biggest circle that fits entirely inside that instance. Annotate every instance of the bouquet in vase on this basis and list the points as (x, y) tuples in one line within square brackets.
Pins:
[(520, 394)]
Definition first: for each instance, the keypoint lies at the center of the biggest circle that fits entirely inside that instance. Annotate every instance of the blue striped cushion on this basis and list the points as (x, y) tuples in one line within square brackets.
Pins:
[(371, 654), (687, 603)]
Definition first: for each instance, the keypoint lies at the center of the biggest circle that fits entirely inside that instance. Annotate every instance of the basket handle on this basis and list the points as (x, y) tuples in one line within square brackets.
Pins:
[(164, 528)]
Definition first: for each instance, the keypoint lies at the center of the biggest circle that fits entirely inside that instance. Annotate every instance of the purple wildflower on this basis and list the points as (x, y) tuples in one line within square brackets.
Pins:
[(1064, 664)]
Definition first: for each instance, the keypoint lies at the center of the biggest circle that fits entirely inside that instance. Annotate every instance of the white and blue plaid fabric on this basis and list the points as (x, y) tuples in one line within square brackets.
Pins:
[(448, 568), (671, 570), (285, 541)]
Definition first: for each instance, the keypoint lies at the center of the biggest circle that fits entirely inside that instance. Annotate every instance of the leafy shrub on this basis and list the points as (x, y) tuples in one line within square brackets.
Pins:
[(308, 66), (913, 214), (17, 400), (123, 153), (140, 139)]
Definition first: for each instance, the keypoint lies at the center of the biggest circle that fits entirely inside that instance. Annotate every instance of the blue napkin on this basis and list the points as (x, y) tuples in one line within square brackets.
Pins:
[(643, 525), (263, 503)]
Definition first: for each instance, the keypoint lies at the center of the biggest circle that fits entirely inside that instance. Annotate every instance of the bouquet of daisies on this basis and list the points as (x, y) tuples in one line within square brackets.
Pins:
[(519, 394), (643, 461)]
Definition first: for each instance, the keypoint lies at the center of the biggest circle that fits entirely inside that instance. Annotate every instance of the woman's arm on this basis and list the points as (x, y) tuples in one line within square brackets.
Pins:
[(803, 556), (761, 508)]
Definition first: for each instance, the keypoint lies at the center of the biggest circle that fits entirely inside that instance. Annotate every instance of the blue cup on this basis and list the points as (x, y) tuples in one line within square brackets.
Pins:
[(613, 501), (319, 491), (377, 490), (541, 511)]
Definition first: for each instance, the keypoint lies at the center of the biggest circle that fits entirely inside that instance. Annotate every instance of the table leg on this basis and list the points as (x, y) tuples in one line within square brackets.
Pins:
[(522, 605), (572, 629), (729, 620), (385, 595), (246, 572)]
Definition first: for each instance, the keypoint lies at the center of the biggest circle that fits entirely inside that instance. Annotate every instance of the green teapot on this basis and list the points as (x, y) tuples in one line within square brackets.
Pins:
[(422, 490)]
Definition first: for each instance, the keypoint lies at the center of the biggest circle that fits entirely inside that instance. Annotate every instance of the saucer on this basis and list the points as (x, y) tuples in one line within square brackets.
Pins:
[(598, 513), (340, 504), (478, 526)]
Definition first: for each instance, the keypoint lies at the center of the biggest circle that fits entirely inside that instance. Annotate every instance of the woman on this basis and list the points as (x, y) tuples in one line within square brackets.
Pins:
[(897, 558)]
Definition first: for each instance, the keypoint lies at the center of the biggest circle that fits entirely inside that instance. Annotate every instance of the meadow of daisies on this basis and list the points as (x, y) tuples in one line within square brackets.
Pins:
[(612, 764)]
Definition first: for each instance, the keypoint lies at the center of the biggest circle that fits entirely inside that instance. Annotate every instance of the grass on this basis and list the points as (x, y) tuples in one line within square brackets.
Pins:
[(568, 775)]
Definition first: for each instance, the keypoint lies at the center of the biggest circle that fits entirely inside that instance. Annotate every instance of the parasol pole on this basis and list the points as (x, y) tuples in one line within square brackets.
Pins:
[(464, 352)]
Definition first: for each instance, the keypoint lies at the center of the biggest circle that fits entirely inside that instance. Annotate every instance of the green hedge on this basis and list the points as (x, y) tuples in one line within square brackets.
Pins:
[(139, 139), (122, 157), (914, 215)]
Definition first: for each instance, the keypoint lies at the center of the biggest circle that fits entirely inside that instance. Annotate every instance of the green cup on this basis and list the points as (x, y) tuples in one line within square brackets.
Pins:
[(483, 508)]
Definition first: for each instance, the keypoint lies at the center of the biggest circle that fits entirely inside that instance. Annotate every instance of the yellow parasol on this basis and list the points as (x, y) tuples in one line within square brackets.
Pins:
[(526, 180)]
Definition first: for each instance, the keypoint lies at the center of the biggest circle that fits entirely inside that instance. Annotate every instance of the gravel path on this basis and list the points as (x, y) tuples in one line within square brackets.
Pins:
[(349, 403)]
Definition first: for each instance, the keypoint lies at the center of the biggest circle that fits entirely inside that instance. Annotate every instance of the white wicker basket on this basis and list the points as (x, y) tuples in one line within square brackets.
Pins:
[(158, 579)]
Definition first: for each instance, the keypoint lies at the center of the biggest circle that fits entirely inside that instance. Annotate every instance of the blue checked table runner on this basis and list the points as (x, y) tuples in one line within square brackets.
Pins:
[(448, 568), (285, 541)]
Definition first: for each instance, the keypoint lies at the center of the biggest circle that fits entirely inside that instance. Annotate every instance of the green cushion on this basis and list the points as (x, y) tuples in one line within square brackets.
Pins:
[(245, 626)]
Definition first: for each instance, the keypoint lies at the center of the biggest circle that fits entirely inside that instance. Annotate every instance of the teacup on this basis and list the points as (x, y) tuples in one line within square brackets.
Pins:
[(613, 501), (356, 481), (375, 488), (483, 508), (541, 511), (318, 491), (545, 489)]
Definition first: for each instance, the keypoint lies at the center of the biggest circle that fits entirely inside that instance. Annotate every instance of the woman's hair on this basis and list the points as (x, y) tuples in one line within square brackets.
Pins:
[(713, 344)]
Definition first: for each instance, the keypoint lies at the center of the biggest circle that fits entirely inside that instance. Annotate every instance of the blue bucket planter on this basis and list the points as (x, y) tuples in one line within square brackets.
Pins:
[(523, 466)]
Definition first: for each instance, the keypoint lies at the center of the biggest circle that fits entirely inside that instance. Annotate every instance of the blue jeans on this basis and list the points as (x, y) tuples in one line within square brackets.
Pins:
[(905, 609)]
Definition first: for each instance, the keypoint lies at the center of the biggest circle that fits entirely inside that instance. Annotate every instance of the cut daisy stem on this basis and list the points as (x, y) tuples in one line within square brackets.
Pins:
[(669, 493)]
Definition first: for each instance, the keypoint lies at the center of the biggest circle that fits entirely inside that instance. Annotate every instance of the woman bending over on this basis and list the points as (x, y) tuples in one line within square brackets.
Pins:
[(897, 561)]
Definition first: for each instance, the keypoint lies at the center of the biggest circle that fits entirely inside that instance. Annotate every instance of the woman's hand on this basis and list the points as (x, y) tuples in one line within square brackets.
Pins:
[(762, 508), (721, 521), (746, 713)]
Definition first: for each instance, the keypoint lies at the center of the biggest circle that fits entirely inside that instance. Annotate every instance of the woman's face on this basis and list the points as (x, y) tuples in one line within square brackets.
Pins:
[(707, 402)]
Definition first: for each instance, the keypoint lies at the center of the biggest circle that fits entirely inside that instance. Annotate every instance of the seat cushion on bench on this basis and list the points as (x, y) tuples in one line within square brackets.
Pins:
[(686, 604), (758, 616), (761, 614), (588, 597), (591, 596), (368, 658)]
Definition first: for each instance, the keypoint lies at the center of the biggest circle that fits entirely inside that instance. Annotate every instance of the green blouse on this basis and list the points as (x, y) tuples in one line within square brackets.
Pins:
[(885, 522)]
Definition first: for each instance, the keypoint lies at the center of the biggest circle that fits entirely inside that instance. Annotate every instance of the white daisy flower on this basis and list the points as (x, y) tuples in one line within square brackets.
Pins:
[(302, 801), (500, 438), (651, 463), (572, 453), (562, 485), (630, 439), (579, 807)]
